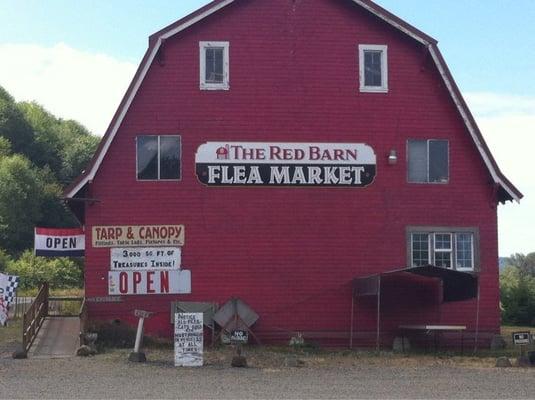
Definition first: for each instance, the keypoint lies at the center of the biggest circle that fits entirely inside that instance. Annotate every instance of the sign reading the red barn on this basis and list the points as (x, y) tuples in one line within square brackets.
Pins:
[(285, 164), (154, 258), (138, 235), (149, 282)]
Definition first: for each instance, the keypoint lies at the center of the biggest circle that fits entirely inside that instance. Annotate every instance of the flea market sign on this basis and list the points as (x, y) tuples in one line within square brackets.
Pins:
[(285, 164), (138, 235)]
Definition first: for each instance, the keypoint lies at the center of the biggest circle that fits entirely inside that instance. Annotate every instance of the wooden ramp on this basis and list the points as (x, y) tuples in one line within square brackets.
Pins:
[(58, 337)]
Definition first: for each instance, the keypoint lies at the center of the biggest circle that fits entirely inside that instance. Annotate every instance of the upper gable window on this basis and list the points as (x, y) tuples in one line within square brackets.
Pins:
[(158, 158), (428, 161), (373, 68), (214, 65)]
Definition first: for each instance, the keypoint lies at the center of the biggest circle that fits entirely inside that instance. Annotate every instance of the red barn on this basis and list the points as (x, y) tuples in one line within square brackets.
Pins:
[(274, 151)]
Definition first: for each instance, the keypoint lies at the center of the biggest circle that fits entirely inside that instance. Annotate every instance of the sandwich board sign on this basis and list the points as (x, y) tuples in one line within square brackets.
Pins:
[(188, 339)]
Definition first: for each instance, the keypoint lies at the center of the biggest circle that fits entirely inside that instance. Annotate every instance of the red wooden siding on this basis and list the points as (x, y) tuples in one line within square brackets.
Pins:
[(291, 253)]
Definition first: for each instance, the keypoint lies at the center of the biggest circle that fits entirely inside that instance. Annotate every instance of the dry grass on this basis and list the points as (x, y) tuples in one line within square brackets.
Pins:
[(10, 336)]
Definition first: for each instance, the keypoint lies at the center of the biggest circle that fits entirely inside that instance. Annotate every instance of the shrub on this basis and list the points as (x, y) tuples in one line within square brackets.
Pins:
[(60, 273), (517, 290), (4, 260)]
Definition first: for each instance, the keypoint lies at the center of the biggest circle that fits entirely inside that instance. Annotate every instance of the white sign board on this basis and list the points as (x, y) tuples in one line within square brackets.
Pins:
[(50, 242), (145, 258), (259, 164), (138, 235), (149, 282), (521, 338), (188, 339)]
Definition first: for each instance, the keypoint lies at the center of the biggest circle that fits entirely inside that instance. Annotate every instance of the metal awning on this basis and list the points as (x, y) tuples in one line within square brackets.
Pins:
[(457, 285)]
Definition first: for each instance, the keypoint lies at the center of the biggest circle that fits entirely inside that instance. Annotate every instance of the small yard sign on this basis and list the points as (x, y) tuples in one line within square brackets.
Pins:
[(239, 336), (521, 338), (188, 339)]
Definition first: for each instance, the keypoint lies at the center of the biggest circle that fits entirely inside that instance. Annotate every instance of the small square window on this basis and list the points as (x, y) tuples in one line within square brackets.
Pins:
[(158, 158), (373, 68), (428, 161), (214, 65)]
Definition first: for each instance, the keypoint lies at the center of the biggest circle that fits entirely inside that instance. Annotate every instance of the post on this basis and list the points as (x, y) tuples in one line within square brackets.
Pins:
[(477, 317), (139, 335), (378, 312), (137, 355), (352, 316)]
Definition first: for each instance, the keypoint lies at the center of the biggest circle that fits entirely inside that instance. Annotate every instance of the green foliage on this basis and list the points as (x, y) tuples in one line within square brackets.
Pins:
[(20, 202), (13, 125), (5, 259), (517, 291), (524, 263), (39, 155), (5, 147), (58, 272)]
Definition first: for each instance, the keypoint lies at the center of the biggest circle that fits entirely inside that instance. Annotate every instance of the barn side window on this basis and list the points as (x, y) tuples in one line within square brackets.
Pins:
[(428, 161), (214, 65), (453, 248), (373, 68), (158, 157)]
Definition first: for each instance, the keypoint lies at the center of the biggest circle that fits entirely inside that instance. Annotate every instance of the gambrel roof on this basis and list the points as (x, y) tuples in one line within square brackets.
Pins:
[(505, 189)]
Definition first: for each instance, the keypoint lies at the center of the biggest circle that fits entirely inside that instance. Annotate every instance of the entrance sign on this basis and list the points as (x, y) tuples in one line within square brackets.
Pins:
[(59, 242), (138, 235), (520, 338), (149, 282), (154, 258), (285, 164), (188, 339)]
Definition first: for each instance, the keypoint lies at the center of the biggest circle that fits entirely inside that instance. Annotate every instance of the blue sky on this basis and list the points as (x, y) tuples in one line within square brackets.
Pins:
[(77, 57), (487, 44)]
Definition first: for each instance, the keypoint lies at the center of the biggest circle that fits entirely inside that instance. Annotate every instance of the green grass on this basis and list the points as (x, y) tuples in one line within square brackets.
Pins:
[(78, 292)]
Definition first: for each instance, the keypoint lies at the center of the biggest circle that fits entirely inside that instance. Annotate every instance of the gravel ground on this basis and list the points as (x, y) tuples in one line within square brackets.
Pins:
[(325, 375)]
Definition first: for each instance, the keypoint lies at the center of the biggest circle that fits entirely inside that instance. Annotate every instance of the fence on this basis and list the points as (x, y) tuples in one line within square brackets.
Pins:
[(33, 318)]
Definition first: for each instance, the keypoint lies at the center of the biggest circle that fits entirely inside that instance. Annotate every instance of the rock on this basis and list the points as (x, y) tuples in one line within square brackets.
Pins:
[(503, 362), (84, 351), (19, 353), (401, 344), (137, 357), (498, 343), (523, 361), (239, 361), (293, 362)]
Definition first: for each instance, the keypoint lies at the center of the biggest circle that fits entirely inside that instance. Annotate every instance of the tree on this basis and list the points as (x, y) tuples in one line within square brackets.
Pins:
[(39, 154), (13, 125), (20, 202), (524, 263), (5, 147), (517, 291)]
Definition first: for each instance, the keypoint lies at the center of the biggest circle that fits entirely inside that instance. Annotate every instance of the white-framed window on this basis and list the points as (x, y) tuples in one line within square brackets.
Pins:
[(427, 161), (373, 68), (453, 248), (214, 65), (158, 158)]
